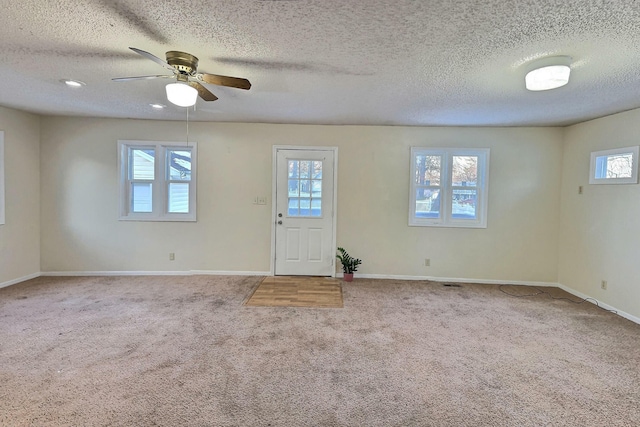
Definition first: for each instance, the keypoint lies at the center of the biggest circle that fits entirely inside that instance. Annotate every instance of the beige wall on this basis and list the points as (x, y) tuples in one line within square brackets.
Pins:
[(20, 235), (80, 230), (600, 228)]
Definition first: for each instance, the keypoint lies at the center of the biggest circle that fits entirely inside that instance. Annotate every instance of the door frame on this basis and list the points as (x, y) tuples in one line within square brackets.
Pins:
[(274, 183)]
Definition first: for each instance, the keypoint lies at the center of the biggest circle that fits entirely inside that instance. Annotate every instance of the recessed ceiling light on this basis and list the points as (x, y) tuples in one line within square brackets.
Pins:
[(548, 73), (158, 106), (73, 83)]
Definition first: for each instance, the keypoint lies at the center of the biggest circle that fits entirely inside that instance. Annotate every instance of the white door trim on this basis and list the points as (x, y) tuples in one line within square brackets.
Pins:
[(272, 267)]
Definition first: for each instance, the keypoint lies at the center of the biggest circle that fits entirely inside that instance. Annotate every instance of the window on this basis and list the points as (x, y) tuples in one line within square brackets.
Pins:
[(305, 188), (157, 181), (449, 187), (1, 177), (618, 166)]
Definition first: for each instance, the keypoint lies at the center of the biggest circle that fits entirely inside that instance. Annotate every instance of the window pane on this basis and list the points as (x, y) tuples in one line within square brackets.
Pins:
[(427, 203), (305, 187), (179, 164), (316, 189), (614, 166), (141, 197), (305, 168), (294, 204), (317, 170), (293, 168), (465, 171), (316, 207), (464, 203), (294, 191), (142, 164), (305, 207), (178, 197), (428, 170)]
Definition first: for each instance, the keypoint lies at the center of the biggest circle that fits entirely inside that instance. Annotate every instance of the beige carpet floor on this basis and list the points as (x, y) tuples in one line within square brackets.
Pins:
[(185, 351)]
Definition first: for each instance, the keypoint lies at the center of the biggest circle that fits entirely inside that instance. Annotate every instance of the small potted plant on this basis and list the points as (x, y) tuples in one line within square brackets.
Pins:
[(349, 264)]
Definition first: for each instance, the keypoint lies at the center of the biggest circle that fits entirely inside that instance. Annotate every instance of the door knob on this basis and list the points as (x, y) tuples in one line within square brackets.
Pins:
[(280, 222)]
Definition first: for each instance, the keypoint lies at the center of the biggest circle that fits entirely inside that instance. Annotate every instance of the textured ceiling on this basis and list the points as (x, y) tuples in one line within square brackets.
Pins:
[(400, 62)]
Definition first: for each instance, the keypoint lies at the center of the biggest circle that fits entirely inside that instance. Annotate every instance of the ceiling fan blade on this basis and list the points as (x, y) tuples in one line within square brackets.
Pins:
[(224, 81), (203, 91), (152, 57), (126, 79)]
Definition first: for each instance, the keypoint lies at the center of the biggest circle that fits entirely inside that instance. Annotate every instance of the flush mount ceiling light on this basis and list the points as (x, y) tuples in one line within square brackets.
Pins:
[(181, 94), (158, 106), (548, 73)]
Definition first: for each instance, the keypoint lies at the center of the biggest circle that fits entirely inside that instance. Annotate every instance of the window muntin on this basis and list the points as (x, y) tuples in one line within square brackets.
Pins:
[(449, 187), (157, 181), (617, 166)]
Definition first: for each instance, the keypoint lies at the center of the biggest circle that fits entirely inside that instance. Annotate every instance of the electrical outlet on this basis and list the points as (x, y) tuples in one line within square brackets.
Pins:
[(427, 262), (172, 256), (262, 200), (604, 285)]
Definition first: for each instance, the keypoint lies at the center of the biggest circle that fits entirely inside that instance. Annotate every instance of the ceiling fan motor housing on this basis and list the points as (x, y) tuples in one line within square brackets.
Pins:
[(183, 62)]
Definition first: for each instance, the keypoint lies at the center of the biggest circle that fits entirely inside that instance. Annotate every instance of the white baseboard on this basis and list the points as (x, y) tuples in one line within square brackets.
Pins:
[(156, 273), (456, 280), (19, 279), (590, 299), (229, 273)]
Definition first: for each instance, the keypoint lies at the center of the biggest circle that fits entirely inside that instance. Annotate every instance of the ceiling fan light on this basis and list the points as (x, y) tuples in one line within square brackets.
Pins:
[(549, 77), (181, 94)]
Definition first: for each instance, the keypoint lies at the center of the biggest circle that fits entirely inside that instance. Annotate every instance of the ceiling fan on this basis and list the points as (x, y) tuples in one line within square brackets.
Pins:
[(188, 85)]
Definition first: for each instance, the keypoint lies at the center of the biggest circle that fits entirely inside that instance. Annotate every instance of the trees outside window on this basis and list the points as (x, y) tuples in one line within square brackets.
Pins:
[(449, 187)]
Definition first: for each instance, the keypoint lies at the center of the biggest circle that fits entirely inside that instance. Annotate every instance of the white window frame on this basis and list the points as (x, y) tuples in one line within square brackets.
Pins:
[(605, 153), (2, 206), (160, 183), (446, 189)]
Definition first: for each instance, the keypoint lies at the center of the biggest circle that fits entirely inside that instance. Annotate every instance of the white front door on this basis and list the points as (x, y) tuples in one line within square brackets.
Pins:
[(304, 217)]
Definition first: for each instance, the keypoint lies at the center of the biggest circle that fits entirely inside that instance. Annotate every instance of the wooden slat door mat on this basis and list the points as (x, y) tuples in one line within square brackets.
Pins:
[(297, 291)]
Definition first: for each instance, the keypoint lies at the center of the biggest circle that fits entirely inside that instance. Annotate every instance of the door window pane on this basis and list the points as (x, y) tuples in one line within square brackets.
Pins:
[(294, 191), (427, 203), (142, 164), (305, 166), (179, 165), (293, 207), (178, 197), (316, 207), (304, 188), (317, 170), (141, 197), (316, 188), (305, 206)]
